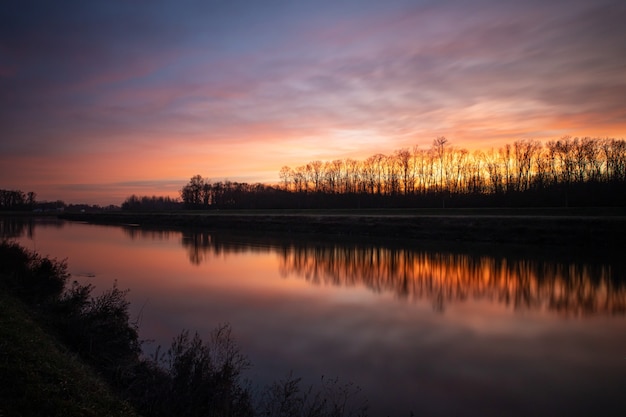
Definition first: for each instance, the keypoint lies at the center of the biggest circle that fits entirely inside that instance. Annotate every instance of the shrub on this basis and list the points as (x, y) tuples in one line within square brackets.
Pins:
[(204, 378), (99, 329), (31, 277), (287, 398)]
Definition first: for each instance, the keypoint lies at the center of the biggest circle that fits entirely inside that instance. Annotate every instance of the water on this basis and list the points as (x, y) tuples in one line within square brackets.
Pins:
[(434, 331)]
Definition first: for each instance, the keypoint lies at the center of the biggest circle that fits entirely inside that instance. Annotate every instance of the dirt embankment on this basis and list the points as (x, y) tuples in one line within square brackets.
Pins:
[(519, 227)]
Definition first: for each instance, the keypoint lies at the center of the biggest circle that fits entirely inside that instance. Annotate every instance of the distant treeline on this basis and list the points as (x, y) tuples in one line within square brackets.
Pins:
[(153, 203), (566, 172), (17, 200), (200, 193)]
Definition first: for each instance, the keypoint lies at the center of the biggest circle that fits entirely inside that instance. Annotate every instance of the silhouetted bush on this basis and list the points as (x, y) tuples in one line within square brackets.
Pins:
[(14, 261), (99, 329), (195, 378), (31, 277), (287, 398)]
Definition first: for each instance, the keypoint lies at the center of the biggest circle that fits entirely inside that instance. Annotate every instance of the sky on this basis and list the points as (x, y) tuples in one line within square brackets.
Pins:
[(103, 99)]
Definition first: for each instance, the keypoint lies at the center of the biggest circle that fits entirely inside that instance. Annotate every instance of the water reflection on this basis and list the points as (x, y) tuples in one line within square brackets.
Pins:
[(200, 246), (15, 227), (569, 287), (137, 233), (572, 289)]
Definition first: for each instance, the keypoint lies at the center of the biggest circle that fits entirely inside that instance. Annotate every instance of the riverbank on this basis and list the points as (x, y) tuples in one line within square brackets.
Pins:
[(40, 376), (600, 227)]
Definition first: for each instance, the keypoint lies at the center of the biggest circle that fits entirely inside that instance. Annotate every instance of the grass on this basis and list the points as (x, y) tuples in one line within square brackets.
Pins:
[(39, 376)]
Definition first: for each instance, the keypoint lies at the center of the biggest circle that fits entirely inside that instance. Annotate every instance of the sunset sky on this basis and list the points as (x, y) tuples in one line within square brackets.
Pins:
[(103, 99)]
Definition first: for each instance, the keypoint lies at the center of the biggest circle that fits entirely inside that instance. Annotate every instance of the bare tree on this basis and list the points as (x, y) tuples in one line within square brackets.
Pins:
[(403, 159), (191, 193), (286, 176), (439, 149), (525, 152)]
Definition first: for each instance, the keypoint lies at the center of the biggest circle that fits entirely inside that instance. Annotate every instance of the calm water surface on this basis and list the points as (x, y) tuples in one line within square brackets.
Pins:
[(435, 332)]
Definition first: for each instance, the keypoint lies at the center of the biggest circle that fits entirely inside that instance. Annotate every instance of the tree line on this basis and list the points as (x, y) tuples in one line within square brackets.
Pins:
[(525, 165), (151, 203), (564, 172), (17, 200), (202, 193)]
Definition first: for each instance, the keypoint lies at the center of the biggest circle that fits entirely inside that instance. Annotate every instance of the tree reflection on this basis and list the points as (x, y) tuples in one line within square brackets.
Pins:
[(135, 232), (570, 287), (16, 227), (202, 244)]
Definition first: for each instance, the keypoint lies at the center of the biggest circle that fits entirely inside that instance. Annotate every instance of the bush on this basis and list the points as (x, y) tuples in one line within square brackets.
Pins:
[(286, 398), (99, 328), (203, 379), (33, 278)]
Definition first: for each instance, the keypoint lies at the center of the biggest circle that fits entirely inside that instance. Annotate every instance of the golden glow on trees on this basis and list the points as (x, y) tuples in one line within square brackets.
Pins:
[(587, 171), (522, 166)]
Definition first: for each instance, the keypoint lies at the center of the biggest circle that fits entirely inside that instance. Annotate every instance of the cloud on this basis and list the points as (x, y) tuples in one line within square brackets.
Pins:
[(249, 83)]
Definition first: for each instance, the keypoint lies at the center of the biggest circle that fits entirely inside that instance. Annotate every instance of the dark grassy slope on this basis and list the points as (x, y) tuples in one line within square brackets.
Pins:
[(40, 377), (602, 228)]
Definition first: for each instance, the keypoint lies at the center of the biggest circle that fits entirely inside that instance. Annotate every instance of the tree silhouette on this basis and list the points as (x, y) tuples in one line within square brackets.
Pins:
[(565, 172)]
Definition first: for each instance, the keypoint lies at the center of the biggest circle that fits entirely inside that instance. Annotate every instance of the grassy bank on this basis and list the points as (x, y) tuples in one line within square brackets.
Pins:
[(41, 377), (601, 227)]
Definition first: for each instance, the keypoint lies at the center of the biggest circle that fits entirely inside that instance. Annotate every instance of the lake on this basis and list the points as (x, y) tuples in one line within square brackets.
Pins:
[(424, 329)]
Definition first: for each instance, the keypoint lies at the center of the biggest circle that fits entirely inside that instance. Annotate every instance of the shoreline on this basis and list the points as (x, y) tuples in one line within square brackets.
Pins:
[(600, 228)]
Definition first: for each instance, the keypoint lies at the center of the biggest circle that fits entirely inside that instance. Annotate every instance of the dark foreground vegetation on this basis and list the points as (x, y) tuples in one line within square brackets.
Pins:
[(65, 352)]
